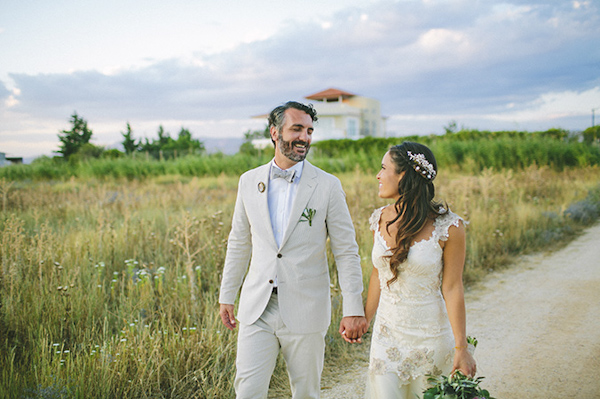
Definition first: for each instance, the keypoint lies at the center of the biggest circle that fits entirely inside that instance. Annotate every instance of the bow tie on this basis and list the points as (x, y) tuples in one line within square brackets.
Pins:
[(284, 174)]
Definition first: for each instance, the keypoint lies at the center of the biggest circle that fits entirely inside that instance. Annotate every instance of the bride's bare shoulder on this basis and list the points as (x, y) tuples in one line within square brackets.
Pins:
[(388, 213)]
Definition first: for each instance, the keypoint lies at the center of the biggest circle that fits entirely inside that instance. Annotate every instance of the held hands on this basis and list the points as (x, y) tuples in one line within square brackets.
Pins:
[(227, 316), (352, 328)]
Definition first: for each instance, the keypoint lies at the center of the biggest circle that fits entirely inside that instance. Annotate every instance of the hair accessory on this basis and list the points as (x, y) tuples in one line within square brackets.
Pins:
[(422, 166)]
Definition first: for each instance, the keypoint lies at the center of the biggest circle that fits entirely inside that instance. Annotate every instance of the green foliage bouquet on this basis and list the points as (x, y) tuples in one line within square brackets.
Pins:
[(456, 386)]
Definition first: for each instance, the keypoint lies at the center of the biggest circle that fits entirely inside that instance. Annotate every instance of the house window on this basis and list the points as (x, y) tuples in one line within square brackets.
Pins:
[(352, 128)]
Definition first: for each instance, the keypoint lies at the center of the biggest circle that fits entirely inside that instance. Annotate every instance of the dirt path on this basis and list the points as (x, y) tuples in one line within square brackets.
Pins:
[(538, 326)]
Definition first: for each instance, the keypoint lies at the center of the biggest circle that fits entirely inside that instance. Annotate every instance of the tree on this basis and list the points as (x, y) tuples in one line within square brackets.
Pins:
[(168, 147), (591, 134), (451, 128), (129, 144), (155, 147), (72, 140), (186, 144), (247, 147), (163, 137)]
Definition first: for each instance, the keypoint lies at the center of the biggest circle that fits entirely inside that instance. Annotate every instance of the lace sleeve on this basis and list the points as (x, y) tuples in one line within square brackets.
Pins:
[(443, 223), (374, 219)]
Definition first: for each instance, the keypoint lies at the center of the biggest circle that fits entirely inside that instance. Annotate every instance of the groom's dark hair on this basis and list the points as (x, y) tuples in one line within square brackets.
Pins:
[(277, 116)]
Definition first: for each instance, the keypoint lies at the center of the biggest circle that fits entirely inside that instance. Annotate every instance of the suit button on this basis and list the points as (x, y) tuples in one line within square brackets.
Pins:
[(279, 255), (270, 281)]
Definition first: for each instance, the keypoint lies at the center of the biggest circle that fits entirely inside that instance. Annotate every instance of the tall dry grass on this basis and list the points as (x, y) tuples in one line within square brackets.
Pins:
[(109, 288)]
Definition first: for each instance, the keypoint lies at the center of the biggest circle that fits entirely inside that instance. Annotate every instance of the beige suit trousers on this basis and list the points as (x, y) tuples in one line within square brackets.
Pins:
[(257, 351)]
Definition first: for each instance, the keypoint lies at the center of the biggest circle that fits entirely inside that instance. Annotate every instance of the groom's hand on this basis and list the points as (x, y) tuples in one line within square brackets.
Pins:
[(352, 328), (227, 317)]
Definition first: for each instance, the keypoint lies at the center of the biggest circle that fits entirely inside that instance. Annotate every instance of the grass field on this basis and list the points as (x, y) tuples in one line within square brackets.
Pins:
[(109, 286)]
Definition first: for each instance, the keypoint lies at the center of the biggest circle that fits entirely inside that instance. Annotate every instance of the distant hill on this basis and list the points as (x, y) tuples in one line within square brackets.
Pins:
[(227, 145)]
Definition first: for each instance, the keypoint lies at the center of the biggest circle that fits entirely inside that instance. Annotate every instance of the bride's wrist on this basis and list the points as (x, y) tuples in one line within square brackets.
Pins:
[(460, 349)]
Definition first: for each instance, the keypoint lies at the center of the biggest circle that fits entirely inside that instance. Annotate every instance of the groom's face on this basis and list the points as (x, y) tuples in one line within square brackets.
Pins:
[(292, 142)]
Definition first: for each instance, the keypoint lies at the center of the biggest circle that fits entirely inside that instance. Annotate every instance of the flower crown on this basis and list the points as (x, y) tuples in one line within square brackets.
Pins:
[(422, 166)]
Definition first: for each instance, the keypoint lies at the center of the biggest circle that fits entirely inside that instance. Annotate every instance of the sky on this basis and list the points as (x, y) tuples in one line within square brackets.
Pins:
[(210, 66)]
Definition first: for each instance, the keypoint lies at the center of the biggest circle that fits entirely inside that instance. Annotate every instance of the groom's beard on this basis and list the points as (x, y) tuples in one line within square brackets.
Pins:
[(287, 148)]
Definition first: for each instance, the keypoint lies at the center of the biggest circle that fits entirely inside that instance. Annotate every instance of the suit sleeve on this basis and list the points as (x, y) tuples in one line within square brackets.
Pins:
[(239, 250), (345, 251)]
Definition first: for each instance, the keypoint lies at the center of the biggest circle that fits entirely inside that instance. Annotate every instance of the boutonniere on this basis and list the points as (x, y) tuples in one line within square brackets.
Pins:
[(307, 215)]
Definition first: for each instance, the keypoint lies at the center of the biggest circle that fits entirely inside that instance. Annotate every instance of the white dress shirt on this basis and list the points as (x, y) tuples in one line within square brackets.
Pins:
[(281, 198)]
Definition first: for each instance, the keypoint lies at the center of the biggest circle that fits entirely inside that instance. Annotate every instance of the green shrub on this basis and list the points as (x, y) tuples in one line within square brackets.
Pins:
[(466, 150)]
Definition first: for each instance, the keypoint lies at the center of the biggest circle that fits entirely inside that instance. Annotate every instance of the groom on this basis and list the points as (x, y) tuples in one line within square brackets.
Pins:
[(284, 212)]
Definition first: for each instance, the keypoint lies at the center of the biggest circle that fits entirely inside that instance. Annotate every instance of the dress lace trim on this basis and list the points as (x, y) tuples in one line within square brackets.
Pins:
[(441, 224), (374, 219)]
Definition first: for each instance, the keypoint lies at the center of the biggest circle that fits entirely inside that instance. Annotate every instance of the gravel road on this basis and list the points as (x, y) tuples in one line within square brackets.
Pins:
[(538, 326)]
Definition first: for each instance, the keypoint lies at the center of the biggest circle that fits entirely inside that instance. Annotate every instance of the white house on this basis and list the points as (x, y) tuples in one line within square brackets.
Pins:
[(346, 115), (342, 115), (4, 161)]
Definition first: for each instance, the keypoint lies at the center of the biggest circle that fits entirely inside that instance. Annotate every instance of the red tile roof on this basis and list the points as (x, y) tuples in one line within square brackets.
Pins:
[(330, 94)]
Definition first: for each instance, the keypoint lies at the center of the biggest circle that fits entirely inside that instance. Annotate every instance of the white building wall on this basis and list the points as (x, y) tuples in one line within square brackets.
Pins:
[(353, 118)]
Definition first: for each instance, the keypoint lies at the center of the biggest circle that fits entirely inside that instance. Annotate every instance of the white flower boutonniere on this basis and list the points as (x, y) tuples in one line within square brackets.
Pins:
[(307, 215)]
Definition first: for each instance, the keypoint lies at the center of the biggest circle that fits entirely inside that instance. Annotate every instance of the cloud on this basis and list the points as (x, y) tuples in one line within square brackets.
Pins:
[(554, 105), (474, 59), (554, 109), (4, 92)]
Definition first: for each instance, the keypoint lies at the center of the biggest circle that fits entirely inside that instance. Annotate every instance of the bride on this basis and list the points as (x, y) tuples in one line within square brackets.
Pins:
[(416, 284)]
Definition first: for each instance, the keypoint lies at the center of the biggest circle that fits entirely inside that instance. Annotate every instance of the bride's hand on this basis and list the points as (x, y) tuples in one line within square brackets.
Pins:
[(464, 362)]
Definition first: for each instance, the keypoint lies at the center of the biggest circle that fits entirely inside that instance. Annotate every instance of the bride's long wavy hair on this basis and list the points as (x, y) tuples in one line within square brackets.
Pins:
[(416, 204)]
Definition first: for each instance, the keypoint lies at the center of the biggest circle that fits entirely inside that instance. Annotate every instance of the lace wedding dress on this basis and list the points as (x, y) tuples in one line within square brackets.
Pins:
[(412, 336)]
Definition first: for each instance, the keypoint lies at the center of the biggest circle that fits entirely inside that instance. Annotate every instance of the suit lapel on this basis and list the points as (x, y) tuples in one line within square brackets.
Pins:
[(261, 185), (306, 187)]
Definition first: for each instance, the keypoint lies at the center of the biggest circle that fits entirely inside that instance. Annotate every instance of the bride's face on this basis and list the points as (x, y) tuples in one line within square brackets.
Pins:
[(388, 178)]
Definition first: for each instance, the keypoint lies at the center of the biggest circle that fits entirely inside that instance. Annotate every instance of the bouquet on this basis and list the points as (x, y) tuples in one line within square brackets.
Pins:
[(457, 385)]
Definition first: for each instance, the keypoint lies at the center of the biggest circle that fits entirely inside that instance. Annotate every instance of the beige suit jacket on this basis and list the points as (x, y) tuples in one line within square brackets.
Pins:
[(253, 260)]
